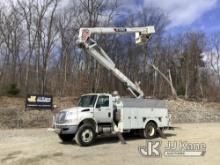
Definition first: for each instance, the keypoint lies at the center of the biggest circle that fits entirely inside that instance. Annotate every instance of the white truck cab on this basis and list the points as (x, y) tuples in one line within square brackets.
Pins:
[(101, 113)]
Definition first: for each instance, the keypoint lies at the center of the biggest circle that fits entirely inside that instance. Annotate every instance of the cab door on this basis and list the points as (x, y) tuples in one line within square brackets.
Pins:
[(103, 110)]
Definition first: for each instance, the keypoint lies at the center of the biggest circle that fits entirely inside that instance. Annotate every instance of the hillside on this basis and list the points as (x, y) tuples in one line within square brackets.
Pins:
[(13, 114)]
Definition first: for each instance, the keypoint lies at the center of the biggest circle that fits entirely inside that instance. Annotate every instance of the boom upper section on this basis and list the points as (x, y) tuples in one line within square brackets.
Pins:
[(85, 42), (141, 33)]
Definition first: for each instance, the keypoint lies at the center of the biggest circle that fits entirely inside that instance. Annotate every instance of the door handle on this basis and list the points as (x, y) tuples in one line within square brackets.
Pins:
[(109, 114)]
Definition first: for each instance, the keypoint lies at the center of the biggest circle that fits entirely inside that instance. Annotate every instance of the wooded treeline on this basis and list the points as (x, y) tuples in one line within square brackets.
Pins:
[(38, 52)]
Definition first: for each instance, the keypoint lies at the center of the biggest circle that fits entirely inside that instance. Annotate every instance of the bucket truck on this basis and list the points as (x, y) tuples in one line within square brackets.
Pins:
[(103, 113)]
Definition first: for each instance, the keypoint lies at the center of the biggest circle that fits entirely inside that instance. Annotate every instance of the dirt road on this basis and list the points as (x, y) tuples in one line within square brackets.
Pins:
[(38, 146)]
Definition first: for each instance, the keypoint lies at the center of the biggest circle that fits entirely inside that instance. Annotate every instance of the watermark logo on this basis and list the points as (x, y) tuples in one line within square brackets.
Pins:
[(151, 149), (184, 148), (172, 149)]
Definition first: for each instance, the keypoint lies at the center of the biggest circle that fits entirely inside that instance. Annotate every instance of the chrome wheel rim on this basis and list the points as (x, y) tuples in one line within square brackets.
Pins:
[(87, 136), (150, 131)]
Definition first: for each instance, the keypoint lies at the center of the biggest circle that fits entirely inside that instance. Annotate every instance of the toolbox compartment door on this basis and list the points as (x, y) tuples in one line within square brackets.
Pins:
[(126, 117)]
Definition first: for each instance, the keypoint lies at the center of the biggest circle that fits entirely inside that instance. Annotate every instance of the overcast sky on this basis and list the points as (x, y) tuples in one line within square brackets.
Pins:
[(183, 14)]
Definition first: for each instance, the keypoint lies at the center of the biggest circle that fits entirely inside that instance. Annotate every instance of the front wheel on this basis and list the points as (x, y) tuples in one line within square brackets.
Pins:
[(85, 135), (150, 131)]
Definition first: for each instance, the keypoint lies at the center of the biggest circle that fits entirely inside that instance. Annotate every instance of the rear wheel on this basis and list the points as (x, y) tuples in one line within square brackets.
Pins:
[(85, 135), (66, 137), (150, 131)]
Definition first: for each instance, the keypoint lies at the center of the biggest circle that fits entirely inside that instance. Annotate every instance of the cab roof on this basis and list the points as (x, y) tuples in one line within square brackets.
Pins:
[(97, 94)]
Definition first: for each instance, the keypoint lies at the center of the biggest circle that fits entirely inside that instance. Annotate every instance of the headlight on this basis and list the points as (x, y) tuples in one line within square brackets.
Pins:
[(70, 121), (70, 118), (69, 115)]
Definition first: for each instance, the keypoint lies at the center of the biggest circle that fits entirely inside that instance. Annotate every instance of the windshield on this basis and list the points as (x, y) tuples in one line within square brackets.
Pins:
[(87, 101)]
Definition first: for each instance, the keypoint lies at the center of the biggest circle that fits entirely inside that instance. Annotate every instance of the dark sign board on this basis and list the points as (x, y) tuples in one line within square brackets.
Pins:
[(39, 102)]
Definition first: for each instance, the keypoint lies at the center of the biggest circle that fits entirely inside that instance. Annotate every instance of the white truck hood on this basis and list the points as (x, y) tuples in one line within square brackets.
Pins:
[(77, 109), (74, 114)]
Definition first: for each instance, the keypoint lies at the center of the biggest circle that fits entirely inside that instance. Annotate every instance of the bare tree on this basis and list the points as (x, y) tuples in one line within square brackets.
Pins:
[(46, 35), (38, 51), (215, 54), (11, 32), (168, 80), (25, 9)]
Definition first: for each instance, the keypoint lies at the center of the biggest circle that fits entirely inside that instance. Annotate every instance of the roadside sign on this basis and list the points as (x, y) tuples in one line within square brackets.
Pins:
[(39, 102)]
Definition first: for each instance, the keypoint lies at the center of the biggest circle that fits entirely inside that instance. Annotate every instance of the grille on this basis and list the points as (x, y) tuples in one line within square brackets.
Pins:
[(60, 117)]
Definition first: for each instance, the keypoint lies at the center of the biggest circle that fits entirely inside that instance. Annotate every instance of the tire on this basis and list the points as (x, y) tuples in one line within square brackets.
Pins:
[(85, 135), (66, 137), (150, 131)]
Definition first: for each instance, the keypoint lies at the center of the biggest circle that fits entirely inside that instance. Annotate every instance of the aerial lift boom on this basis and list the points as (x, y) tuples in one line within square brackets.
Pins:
[(85, 41)]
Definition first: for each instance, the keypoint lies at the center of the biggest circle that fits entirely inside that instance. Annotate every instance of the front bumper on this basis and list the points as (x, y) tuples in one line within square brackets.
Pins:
[(65, 129)]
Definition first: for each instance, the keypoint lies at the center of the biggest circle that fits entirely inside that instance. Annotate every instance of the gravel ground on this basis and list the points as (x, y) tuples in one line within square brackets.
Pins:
[(38, 146)]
